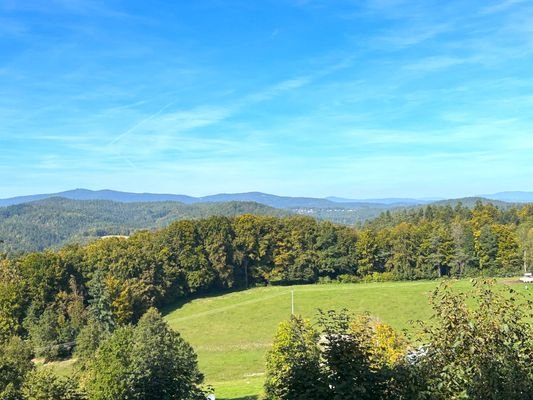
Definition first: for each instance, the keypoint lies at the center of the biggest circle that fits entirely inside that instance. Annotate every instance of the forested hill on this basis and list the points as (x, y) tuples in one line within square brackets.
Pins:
[(57, 221), (54, 222), (338, 210)]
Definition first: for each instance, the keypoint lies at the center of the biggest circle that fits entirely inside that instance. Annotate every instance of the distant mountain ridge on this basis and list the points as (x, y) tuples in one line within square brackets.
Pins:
[(510, 197), (258, 197), (40, 222), (111, 195)]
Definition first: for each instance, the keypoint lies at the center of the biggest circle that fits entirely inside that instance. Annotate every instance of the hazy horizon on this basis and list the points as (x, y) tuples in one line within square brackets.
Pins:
[(355, 197)]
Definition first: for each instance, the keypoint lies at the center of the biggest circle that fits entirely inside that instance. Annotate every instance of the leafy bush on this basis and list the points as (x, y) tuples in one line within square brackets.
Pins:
[(346, 278), (482, 351), (45, 385), (15, 363), (379, 277)]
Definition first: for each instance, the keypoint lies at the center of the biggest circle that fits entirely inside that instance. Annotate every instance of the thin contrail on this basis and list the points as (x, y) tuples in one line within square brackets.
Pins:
[(127, 132)]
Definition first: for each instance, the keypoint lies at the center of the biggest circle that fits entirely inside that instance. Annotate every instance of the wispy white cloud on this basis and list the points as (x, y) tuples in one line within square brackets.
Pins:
[(410, 36), (437, 62), (160, 129), (500, 6)]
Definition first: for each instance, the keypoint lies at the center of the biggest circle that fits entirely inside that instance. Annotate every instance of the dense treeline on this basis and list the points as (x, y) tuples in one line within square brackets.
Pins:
[(450, 240), (50, 296), (55, 222)]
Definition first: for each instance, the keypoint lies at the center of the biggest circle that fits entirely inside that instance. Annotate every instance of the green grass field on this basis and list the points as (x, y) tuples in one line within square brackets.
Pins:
[(232, 333)]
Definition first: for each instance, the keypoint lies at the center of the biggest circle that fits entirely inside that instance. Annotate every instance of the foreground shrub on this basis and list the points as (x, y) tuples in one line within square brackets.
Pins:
[(352, 359), (15, 364), (480, 345), (293, 370), (45, 385)]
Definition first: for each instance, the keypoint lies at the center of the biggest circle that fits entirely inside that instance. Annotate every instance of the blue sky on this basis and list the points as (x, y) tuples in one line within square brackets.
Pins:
[(349, 98)]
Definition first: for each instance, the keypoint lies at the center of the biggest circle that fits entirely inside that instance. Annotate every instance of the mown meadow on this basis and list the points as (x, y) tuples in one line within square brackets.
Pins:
[(232, 333)]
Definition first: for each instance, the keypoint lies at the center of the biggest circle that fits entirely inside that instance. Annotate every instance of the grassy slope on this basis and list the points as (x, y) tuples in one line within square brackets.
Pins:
[(232, 333)]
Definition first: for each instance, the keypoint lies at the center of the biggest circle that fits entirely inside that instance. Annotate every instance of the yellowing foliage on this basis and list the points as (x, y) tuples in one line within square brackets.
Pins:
[(385, 346)]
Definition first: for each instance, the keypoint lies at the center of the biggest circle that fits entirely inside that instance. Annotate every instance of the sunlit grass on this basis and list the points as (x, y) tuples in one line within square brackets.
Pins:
[(232, 333)]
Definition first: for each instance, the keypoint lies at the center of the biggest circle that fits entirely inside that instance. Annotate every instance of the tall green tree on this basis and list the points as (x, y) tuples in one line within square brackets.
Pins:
[(346, 366), (367, 253), (13, 300), (148, 361), (487, 249), (218, 235), (404, 245)]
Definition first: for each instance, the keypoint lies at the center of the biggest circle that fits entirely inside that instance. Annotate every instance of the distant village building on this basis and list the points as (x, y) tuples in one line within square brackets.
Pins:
[(527, 278)]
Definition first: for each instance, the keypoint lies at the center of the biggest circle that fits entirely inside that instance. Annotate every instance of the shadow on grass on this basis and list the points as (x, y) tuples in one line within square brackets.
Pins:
[(175, 305)]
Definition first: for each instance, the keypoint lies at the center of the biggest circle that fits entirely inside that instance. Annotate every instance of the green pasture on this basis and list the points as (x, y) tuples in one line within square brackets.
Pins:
[(232, 333)]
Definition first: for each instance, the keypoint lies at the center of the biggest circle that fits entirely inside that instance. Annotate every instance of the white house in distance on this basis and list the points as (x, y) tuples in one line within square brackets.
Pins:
[(527, 278)]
